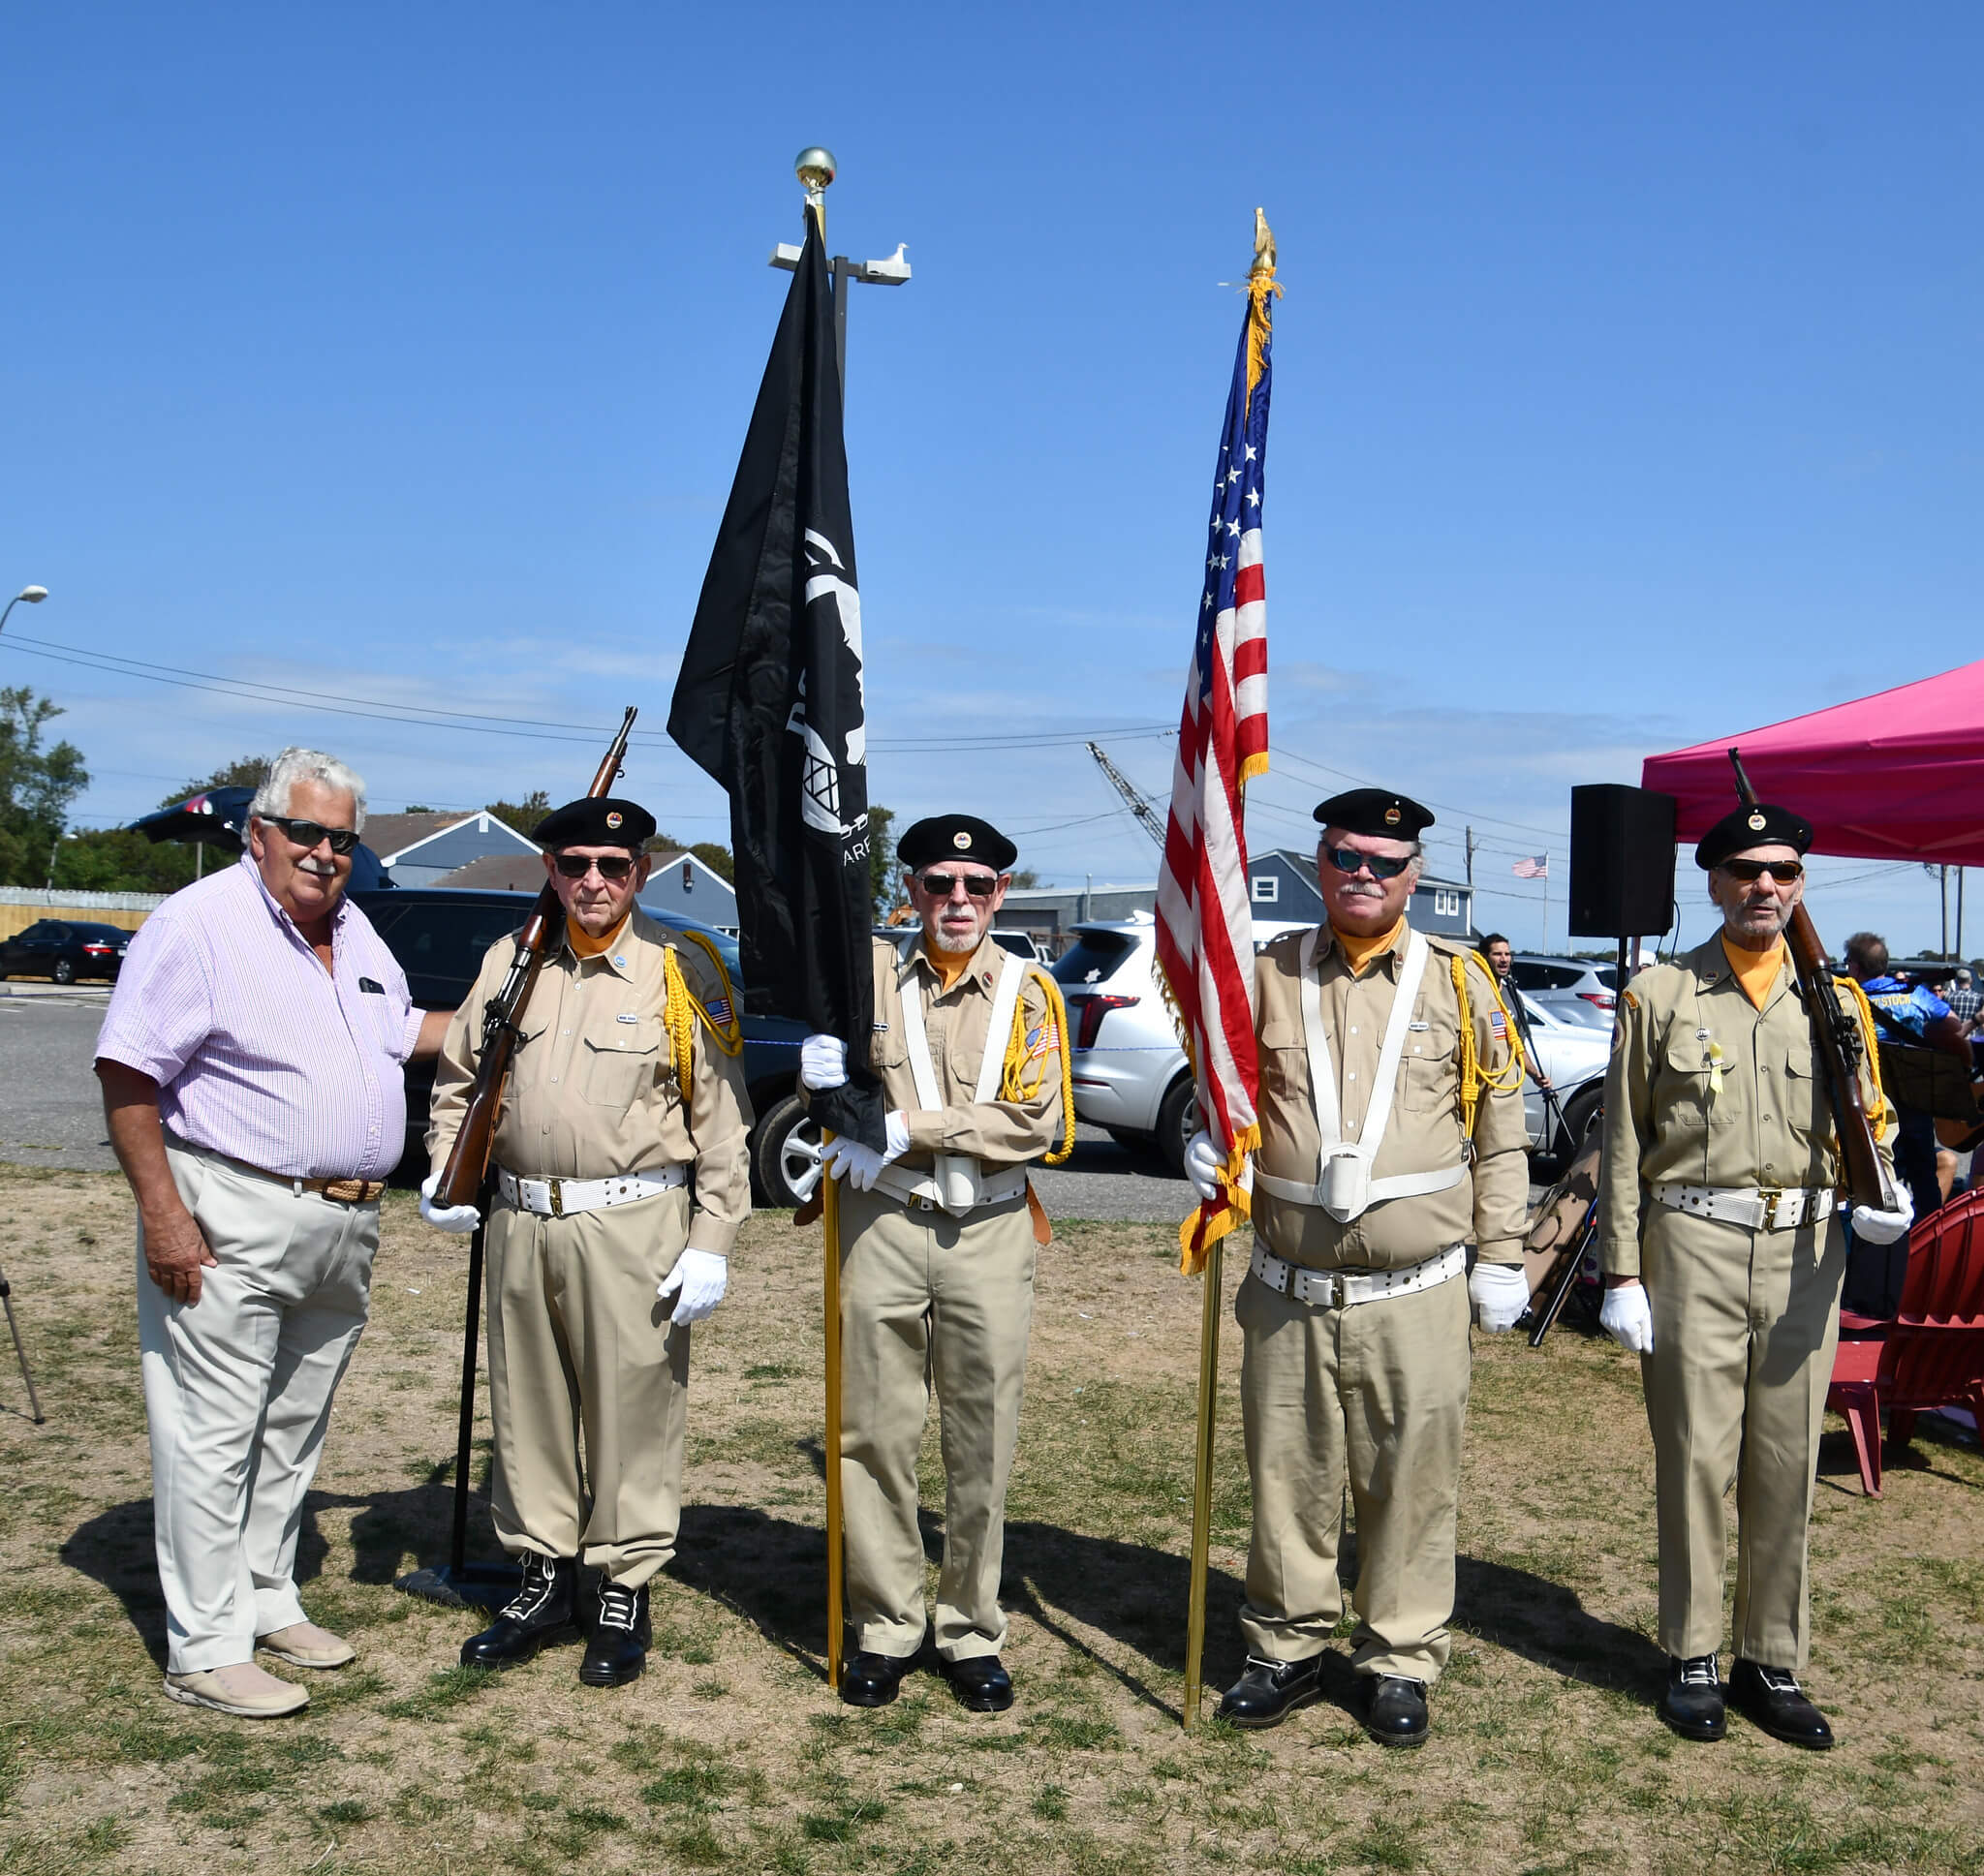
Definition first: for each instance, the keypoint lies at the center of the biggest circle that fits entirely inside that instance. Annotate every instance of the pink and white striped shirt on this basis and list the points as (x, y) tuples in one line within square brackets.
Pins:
[(258, 1052)]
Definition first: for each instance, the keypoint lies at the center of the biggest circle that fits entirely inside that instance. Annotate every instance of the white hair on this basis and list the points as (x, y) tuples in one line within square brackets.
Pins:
[(294, 765)]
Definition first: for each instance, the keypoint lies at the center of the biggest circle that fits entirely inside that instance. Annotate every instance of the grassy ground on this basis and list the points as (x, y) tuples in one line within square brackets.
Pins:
[(732, 1755)]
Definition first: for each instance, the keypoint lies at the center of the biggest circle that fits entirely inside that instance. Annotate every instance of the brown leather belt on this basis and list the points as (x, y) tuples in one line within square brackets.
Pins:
[(341, 1192)]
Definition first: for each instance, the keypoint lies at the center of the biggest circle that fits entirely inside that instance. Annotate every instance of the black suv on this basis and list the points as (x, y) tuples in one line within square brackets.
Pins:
[(439, 936)]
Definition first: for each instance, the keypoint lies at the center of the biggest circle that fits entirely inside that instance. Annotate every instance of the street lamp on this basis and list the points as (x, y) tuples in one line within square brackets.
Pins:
[(33, 594), (814, 168)]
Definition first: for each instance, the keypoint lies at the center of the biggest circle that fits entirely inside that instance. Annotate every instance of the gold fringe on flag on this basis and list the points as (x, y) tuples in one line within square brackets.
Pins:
[(1209, 1224)]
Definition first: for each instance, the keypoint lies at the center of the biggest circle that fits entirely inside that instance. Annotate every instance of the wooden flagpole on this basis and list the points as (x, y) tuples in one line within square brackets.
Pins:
[(1202, 1480), (836, 1550)]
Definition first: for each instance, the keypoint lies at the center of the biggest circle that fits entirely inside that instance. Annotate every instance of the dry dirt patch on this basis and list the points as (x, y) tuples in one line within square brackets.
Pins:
[(732, 1755)]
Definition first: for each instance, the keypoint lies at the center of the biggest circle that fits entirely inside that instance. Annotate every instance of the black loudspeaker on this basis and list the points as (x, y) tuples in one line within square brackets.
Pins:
[(1622, 861)]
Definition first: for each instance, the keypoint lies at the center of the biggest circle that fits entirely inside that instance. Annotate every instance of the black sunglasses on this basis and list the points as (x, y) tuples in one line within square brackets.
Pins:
[(307, 833), (940, 885), (1783, 872), (1346, 859), (575, 866)]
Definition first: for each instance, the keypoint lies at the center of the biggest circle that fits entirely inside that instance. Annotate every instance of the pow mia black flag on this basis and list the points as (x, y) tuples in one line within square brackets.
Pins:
[(769, 702)]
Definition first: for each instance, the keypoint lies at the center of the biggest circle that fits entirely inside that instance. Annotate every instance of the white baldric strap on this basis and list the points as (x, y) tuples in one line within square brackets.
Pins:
[(955, 1182), (1345, 1188)]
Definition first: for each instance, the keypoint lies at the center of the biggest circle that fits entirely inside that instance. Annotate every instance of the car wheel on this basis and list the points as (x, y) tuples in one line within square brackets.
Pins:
[(1177, 1123), (63, 972), (784, 1156), (1579, 1112), (1131, 1139)]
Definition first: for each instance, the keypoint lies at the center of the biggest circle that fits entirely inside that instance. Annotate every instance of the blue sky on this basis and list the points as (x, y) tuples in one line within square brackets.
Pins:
[(1626, 387)]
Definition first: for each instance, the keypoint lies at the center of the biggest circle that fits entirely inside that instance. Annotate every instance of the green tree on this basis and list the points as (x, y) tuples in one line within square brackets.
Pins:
[(522, 815), (37, 782), (243, 772), (717, 858), (883, 888), (119, 859)]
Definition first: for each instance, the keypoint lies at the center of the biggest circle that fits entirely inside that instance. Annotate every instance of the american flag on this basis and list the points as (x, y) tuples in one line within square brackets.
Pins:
[(1205, 929), (1534, 865)]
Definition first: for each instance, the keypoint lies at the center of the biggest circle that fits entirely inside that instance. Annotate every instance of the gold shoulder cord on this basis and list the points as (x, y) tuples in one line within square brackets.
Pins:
[(1865, 1011), (1476, 1081), (1014, 1085), (681, 1006)]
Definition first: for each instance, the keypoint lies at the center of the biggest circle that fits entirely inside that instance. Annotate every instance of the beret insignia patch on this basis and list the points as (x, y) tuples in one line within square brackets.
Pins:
[(1391, 816), (1757, 824), (961, 841), (613, 818)]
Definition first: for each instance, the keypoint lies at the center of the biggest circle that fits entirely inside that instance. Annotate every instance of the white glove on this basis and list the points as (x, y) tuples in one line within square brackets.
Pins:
[(1876, 1227), (1205, 1162), (1627, 1318), (1500, 1294), (458, 1218), (848, 1158), (823, 1062), (702, 1275)]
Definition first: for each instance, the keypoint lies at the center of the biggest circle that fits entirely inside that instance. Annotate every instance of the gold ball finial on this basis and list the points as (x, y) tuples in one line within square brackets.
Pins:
[(814, 167)]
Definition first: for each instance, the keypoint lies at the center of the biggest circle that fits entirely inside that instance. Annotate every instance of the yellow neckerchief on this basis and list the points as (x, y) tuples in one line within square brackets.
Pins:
[(1360, 951), (585, 946), (949, 965), (1755, 970)]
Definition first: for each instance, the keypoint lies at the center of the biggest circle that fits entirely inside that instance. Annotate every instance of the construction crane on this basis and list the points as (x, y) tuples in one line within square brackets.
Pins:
[(1137, 802)]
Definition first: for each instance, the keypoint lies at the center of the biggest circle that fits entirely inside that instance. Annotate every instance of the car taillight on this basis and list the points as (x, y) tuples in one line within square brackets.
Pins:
[(1093, 1010), (1602, 997), (96, 950)]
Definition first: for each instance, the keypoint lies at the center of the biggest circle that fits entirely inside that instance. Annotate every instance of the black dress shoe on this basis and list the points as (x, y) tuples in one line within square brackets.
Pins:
[(1773, 1697), (543, 1611), (872, 1679), (1395, 1714), (616, 1649), (982, 1683), (1268, 1691), (1692, 1704)]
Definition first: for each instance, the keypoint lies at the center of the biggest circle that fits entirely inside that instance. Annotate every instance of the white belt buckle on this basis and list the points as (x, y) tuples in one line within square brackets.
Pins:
[(556, 1190)]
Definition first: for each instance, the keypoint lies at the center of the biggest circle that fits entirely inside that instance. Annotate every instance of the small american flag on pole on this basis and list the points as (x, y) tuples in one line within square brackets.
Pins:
[(1205, 927), (1533, 866)]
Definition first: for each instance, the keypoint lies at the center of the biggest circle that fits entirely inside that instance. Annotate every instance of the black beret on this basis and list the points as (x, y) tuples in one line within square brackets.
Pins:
[(1376, 812), (602, 821), (1760, 826), (954, 837)]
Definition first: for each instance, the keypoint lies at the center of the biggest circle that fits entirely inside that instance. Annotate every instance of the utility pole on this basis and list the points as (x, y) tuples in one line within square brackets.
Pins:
[(1943, 892), (814, 168), (1138, 803), (1470, 859)]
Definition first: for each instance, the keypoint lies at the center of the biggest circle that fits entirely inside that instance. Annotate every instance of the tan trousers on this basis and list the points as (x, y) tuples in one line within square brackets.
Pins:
[(581, 1346), (237, 1390), (1744, 1324), (1374, 1397), (928, 1297)]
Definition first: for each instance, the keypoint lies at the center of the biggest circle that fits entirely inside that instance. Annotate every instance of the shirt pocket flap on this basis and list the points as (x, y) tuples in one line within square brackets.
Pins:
[(616, 1064)]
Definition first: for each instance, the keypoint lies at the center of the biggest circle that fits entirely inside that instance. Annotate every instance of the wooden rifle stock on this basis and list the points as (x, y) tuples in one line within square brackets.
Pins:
[(468, 1159), (1841, 1045)]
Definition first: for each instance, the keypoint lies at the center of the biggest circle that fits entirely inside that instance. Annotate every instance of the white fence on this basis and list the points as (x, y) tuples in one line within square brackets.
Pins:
[(53, 897)]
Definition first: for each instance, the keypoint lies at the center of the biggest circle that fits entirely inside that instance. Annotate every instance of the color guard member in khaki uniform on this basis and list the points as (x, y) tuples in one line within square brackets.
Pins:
[(938, 1238), (617, 1194), (1391, 1125), (1723, 1255)]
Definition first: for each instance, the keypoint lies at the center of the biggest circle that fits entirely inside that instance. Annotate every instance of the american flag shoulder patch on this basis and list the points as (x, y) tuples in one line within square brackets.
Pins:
[(718, 1008), (1042, 1040), (1499, 1023)]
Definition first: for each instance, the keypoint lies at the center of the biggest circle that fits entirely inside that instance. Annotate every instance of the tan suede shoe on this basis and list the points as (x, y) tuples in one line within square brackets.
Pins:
[(240, 1688), (303, 1644)]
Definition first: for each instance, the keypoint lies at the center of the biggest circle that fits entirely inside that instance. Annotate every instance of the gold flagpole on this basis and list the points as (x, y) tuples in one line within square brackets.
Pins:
[(836, 1555), (1202, 1480)]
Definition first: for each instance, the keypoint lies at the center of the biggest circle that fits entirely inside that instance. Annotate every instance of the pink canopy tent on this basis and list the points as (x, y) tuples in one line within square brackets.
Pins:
[(1898, 776)]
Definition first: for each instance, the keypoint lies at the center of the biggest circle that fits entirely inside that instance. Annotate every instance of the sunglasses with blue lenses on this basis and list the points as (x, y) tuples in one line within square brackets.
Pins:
[(1347, 859)]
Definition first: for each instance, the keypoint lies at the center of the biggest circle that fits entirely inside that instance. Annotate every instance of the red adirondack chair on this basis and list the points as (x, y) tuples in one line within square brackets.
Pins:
[(1931, 1354)]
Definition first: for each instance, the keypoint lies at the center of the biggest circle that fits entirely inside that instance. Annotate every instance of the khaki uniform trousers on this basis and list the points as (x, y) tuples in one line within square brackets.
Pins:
[(925, 1295), (1374, 1397), (579, 1345), (237, 1390), (1745, 1325)]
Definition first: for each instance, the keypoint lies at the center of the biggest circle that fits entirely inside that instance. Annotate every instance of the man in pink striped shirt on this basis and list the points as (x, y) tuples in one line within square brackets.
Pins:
[(250, 1064)]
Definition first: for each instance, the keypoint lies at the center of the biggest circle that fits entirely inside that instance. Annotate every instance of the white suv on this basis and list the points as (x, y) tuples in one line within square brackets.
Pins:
[(1130, 1077)]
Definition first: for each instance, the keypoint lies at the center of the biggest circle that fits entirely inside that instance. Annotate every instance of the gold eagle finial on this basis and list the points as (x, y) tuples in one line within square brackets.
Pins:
[(1263, 243)]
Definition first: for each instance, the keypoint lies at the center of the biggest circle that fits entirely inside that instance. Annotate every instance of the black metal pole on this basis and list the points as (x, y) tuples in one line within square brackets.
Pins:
[(842, 269), (33, 1400), (457, 1549)]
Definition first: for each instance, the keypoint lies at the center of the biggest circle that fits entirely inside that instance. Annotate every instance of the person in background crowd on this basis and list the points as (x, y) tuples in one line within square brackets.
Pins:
[(621, 1181), (1964, 1002), (251, 1067), (1724, 1258)]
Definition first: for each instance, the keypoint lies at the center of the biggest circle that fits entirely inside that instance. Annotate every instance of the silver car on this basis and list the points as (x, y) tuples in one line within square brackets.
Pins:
[(1579, 990)]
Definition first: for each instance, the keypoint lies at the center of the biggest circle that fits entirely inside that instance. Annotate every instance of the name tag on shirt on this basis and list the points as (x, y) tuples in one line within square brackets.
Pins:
[(626, 1016), (1418, 1025), (371, 988)]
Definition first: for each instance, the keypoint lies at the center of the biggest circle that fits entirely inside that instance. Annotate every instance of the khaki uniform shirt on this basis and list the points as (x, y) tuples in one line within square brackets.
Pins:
[(1769, 1122), (1424, 1131), (956, 1022), (591, 1093)]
